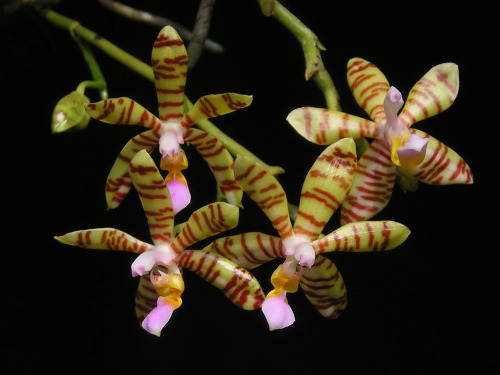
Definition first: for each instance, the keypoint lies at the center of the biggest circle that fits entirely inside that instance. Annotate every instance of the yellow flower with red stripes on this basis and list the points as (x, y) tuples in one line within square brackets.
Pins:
[(172, 127), (159, 264), (414, 153), (326, 186)]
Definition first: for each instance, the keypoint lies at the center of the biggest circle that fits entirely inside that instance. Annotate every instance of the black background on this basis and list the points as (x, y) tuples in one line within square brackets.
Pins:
[(426, 307)]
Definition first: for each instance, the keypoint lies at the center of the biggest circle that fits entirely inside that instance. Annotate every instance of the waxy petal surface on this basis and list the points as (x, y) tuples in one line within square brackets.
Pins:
[(155, 197), (326, 186), (432, 94), (169, 61), (324, 126), (123, 111), (441, 165), (324, 287), (220, 162), (215, 105), (363, 237), (118, 183), (248, 250), (368, 86), (104, 239), (205, 222), (372, 186), (146, 296), (237, 284), (266, 191)]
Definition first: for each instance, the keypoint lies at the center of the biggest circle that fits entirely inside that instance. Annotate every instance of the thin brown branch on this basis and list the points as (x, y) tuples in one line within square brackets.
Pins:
[(200, 31)]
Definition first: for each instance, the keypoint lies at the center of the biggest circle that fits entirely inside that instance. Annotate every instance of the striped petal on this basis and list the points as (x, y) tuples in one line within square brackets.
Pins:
[(324, 127), (104, 239), (205, 222), (237, 284), (266, 191), (372, 186), (433, 93), (248, 250), (220, 162), (369, 87), (119, 182), (441, 165), (155, 197), (324, 287), (363, 236), (213, 106), (169, 61), (123, 111), (325, 187)]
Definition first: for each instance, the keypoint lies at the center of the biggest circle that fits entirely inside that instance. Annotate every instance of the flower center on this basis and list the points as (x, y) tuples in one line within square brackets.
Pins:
[(300, 247), (171, 136)]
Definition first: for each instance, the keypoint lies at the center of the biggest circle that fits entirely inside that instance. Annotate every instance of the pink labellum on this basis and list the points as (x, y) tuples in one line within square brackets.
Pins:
[(179, 193), (158, 317), (413, 152), (278, 312)]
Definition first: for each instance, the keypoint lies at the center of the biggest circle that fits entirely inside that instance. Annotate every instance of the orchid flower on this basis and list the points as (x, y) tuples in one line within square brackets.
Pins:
[(172, 128), (414, 153), (325, 188), (159, 264)]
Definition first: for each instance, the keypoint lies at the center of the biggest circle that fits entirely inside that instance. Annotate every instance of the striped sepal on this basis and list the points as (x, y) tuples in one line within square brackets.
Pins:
[(324, 127), (369, 87), (363, 236), (146, 296), (213, 106), (169, 61), (220, 162), (123, 111), (248, 250), (205, 222), (324, 287), (441, 165), (155, 197), (104, 239), (372, 185), (433, 93), (265, 190), (119, 182), (239, 285), (325, 187)]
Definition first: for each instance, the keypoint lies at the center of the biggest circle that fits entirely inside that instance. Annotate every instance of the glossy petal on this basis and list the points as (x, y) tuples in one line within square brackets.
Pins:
[(324, 127), (205, 222), (104, 239), (236, 283), (324, 287), (220, 162), (441, 165), (277, 312), (169, 61), (372, 186), (158, 317), (123, 111), (369, 87), (432, 94), (215, 105), (248, 250), (266, 191), (119, 182), (413, 152), (363, 236), (155, 197), (146, 296), (325, 187)]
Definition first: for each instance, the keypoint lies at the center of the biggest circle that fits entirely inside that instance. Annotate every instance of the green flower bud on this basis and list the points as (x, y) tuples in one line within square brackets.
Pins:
[(70, 114)]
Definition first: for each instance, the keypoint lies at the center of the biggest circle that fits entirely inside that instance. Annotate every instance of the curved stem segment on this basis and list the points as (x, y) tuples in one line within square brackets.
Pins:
[(311, 47), (145, 71)]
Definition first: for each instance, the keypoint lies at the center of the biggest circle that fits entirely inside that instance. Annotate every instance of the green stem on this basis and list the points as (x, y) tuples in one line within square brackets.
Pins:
[(145, 71), (99, 82), (311, 47)]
